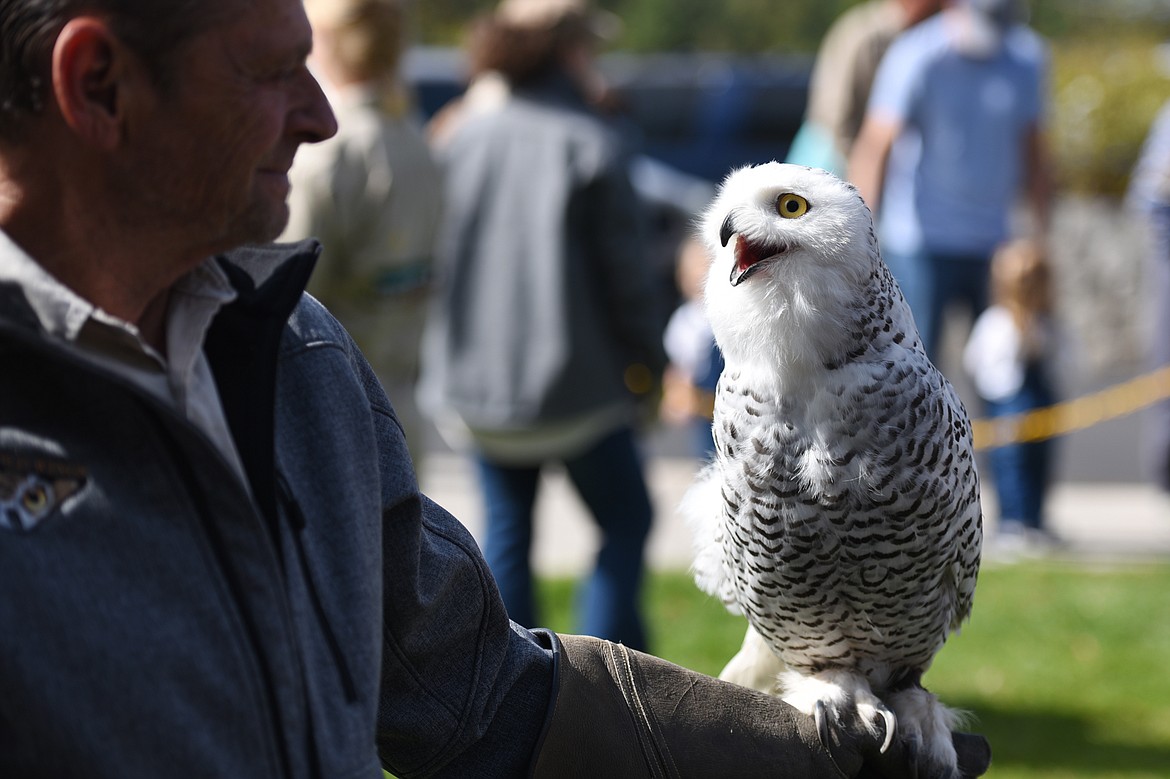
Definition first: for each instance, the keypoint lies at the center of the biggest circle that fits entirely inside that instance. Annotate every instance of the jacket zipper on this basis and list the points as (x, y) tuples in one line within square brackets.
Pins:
[(277, 739)]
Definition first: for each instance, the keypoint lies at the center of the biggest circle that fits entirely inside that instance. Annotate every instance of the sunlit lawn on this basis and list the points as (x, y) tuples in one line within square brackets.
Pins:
[(1065, 667)]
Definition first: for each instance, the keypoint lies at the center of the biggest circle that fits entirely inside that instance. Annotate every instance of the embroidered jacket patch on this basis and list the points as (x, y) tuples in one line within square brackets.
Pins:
[(32, 487)]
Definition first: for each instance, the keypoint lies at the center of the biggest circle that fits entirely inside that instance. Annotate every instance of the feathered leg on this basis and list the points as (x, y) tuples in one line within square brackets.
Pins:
[(924, 719), (755, 665)]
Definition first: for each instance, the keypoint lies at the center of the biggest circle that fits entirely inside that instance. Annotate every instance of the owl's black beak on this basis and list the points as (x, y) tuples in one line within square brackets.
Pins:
[(750, 256), (727, 230)]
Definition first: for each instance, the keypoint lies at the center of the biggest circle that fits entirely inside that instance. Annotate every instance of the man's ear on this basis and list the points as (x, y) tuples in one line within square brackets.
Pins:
[(89, 69)]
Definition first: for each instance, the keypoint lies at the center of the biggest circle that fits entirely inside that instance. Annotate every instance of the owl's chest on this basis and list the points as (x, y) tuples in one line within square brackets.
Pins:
[(786, 494), (806, 499), (818, 570), (776, 452)]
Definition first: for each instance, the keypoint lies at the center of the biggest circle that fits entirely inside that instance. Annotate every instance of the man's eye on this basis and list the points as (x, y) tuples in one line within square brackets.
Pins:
[(284, 72)]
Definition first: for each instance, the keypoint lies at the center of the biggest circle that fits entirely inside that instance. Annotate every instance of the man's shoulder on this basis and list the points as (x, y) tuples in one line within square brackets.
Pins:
[(927, 40), (270, 279), (1025, 44), (909, 59), (861, 32), (531, 123), (876, 17)]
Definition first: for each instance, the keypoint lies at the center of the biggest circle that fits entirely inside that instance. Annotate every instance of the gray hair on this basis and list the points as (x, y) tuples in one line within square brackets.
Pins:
[(154, 29)]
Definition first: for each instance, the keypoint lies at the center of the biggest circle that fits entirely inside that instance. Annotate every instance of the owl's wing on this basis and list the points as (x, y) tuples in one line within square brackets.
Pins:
[(702, 508), (909, 437), (967, 525)]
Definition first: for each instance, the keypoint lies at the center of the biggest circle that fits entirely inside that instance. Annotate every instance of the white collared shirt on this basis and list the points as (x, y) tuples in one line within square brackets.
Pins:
[(183, 379)]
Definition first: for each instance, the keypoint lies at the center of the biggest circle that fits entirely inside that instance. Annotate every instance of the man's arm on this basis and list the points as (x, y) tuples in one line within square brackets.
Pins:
[(1038, 178), (871, 151)]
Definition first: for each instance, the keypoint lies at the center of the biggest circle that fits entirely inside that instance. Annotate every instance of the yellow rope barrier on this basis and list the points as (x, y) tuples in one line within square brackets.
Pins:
[(1076, 414)]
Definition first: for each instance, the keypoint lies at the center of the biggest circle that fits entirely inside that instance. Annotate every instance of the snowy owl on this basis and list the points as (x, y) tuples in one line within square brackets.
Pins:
[(841, 513)]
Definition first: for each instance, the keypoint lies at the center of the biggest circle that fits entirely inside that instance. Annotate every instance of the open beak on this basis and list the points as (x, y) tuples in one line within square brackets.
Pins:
[(750, 257)]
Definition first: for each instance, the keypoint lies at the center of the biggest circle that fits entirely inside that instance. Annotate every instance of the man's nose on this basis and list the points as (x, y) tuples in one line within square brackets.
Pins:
[(315, 122)]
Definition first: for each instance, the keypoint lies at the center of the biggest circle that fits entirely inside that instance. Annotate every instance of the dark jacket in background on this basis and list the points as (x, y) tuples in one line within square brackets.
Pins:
[(546, 294)]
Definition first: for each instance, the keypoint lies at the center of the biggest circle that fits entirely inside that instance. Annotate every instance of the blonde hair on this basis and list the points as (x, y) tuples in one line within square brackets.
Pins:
[(367, 36), (1021, 282)]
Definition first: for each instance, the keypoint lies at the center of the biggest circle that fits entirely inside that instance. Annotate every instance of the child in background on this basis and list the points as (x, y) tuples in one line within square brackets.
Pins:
[(1007, 358), (688, 386)]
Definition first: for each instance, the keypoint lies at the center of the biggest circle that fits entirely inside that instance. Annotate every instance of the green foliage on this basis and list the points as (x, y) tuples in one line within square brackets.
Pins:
[(1062, 666), (757, 26), (1105, 92), (737, 26), (444, 22), (742, 26)]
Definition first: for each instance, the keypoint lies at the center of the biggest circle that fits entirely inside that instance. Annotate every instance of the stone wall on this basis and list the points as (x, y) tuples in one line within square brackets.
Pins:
[(1098, 251)]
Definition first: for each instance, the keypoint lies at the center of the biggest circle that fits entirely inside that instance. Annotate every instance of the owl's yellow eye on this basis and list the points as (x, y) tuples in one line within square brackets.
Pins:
[(35, 498), (791, 206)]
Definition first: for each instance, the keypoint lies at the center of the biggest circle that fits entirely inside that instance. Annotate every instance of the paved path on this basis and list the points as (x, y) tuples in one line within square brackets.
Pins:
[(1105, 522)]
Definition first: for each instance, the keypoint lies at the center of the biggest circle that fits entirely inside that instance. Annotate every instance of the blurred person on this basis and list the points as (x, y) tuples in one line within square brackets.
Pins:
[(952, 139), (494, 69), (688, 385), (371, 194), (545, 327), (842, 76), (215, 556), (1149, 196), (1009, 358)]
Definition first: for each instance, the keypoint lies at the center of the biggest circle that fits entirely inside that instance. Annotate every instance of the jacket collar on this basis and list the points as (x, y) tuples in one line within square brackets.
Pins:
[(243, 347), (268, 279)]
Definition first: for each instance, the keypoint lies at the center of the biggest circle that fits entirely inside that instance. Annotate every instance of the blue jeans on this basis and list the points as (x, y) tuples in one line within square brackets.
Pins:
[(931, 282), (1022, 472), (609, 479)]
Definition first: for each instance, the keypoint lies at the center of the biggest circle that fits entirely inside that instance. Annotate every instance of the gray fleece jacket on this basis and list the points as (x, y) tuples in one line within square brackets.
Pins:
[(545, 295)]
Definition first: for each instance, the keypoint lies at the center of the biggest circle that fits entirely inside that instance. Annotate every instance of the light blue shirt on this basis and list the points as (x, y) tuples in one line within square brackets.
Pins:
[(1149, 186), (956, 170)]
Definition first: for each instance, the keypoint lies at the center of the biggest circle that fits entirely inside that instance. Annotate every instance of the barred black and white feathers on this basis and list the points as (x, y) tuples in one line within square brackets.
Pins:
[(841, 514)]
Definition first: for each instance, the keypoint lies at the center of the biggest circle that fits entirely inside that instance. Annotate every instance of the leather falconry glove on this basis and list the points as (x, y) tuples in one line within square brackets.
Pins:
[(623, 713)]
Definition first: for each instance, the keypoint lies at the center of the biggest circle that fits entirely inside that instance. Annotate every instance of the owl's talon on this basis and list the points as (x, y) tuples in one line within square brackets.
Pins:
[(891, 725), (820, 715), (821, 720)]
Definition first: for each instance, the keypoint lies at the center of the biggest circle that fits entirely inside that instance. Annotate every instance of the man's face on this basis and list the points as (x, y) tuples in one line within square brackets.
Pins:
[(212, 153)]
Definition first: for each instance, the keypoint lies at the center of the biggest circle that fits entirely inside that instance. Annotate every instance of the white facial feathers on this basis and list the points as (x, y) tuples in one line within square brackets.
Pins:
[(792, 250)]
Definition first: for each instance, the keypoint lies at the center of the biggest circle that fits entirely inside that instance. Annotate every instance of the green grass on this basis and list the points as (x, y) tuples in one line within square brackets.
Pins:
[(1066, 668)]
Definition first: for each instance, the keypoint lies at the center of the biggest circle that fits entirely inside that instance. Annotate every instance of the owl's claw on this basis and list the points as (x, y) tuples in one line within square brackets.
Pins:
[(891, 725), (821, 720)]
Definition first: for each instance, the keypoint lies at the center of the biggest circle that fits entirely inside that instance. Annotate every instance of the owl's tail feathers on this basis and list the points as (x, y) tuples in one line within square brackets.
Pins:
[(754, 666), (923, 719), (702, 508)]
